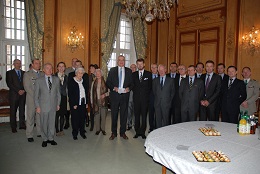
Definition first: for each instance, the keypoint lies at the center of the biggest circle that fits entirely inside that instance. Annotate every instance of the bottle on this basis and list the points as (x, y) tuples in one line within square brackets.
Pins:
[(253, 124), (242, 126), (248, 125), (239, 118)]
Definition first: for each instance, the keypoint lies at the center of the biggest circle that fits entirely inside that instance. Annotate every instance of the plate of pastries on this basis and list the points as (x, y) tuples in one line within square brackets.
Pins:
[(210, 156), (209, 131)]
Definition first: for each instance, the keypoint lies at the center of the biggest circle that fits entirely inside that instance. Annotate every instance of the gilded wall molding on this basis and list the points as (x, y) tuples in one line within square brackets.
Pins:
[(230, 42), (171, 47), (94, 41), (201, 19), (48, 36)]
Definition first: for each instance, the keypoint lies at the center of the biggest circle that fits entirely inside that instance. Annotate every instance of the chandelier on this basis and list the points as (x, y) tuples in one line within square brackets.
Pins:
[(250, 41), (75, 40), (148, 9)]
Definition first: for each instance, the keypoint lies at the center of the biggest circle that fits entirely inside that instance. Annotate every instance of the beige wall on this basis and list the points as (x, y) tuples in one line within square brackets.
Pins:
[(197, 31)]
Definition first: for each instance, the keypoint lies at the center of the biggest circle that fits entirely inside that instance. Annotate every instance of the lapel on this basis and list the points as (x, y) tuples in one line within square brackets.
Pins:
[(233, 85), (211, 80)]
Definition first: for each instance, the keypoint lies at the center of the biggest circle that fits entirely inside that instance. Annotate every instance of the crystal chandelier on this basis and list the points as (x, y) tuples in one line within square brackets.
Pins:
[(148, 9), (250, 41), (75, 40)]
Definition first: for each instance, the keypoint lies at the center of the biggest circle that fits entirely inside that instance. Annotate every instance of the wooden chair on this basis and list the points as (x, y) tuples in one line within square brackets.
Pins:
[(4, 103)]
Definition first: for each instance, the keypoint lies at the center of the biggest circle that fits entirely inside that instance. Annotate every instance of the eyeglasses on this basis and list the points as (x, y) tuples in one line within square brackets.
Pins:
[(181, 69)]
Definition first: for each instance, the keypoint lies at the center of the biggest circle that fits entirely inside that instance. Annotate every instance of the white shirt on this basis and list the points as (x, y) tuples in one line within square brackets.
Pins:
[(198, 75), (123, 76), (184, 76), (141, 71), (82, 93), (173, 75), (164, 77), (247, 80), (222, 75), (155, 75)]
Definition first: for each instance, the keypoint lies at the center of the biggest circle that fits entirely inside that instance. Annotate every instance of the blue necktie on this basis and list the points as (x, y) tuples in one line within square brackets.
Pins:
[(120, 78), (19, 75)]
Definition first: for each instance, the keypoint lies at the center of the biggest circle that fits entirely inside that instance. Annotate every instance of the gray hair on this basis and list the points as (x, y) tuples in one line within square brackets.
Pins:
[(100, 72), (47, 64), (80, 69)]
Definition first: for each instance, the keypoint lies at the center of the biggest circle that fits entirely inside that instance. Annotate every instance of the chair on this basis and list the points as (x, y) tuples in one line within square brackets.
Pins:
[(4, 103)]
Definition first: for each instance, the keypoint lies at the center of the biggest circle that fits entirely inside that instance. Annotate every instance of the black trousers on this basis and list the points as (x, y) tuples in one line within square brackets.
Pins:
[(151, 113), (208, 112), (78, 120), (91, 113), (60, 114), (140, 110), (121, 101), (15, 102), (162, 116), (229, 116)]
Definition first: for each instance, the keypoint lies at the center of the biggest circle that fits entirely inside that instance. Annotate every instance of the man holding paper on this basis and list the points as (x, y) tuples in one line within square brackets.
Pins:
[(119, 81)]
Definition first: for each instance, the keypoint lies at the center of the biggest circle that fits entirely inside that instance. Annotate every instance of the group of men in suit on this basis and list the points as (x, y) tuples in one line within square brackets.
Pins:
[(184, 94)]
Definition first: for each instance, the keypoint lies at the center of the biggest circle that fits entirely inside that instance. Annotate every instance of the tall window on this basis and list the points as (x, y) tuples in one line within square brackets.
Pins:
[(124, 44), (13, 36)]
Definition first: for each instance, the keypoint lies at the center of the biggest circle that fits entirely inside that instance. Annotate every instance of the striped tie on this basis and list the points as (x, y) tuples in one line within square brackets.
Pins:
[(230, 83), (190, 82), (50, 84)]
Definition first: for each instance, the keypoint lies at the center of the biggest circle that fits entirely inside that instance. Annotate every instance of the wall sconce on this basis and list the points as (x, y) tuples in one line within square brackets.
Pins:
[(250, 41), (75, 40)]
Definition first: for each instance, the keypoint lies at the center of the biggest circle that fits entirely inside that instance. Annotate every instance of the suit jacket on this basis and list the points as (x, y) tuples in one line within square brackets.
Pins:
[(214, 88), (252, 90), (44, 98), (74, 92), (190, 98), (69, 70), (64, 86), (163, 96), (233, 97), (29, 85), (176, 98), (13, 82), (142, 90), (113, 81)]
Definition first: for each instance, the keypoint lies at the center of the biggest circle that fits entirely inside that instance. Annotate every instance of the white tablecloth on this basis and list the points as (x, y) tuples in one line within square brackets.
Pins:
[(172, 147)]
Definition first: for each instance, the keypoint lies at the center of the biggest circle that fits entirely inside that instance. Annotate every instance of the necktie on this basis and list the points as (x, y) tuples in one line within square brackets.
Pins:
[(190, 82), (230, 83), (199, 75), (245, 82), (19, 75), (154, 76), (50, 84), (207, 82), (120, 78), (38, 74), (161, 82), (181, 80), (141, 77)]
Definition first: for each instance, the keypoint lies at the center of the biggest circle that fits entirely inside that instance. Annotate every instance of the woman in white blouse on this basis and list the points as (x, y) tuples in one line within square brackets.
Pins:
[(78, 92), (98, 97)]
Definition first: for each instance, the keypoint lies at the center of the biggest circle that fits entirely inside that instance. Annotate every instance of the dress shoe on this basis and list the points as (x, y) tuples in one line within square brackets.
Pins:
[(97, 133), (129, 128), (143, 136), (83, 136), (112, 137), (75, 138), (124, 136), (39, 136), (66, 126), (14, 130), (91, 129), (22, 127), (53, 142), (44, 144), (136, 136), (30, 140), (104, 132)]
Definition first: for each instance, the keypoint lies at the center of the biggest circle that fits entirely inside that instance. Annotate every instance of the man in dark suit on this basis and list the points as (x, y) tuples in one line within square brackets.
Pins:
[(199, 69), (233, 95), (152, 126), (142, 81), (173, 74), (14, 80), (212, 83), (191, 93), (120, 82), (72, 74), (177, 101), (224, 77), (163, 89)]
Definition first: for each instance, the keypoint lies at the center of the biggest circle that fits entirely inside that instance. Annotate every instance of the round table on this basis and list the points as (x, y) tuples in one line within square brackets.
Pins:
[(172, 147)]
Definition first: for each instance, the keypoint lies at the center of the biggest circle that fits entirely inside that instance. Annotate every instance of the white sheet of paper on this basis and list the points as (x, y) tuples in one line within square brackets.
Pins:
[(121, 90)]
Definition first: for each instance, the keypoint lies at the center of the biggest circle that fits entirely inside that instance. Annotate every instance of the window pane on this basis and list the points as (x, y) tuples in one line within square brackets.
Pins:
[(122, 45), (128, 30), (122, 37), (18, 50), (8, 49), (122, 30), (8, 33), (22, 5), (23, 50), (7, 23), (22, 26), (13, 58), (12, 3), (127, 45), (22, 35), (23, 60), (13, 34), (8, 59), (13, 50), (18, 13), (23, 14), (128, 38), (12, 13), (7, 2), (18, 4), (7, 12), (18, 24), (12, 26)]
